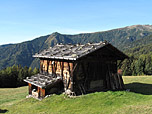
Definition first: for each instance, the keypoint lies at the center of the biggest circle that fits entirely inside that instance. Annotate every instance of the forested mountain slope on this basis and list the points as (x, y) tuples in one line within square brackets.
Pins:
[(139, 47), (123, 38)]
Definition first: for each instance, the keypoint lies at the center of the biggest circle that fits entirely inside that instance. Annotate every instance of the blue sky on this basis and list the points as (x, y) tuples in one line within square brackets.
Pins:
[(22, 20)]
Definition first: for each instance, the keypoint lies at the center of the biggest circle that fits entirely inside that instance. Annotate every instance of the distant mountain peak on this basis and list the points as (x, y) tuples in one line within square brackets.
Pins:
[(140, 27), (55, 33)]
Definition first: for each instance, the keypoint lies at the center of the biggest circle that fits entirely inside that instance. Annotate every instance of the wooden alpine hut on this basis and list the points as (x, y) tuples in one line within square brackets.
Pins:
[(77, 69)]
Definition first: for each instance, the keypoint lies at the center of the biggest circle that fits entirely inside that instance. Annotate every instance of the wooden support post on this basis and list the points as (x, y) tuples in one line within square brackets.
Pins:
[(71, 70), (43, 93), (70, 67), (85, 74), (30, 89), (71, 75), (38, 90)]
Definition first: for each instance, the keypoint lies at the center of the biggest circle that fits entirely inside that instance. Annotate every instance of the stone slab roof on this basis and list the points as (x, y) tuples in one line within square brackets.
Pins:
[(76, 51), (42, 80), (69, 51)]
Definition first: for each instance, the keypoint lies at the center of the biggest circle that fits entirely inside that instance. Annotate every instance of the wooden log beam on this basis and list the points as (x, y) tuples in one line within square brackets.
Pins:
[(68, 83), (71, 74), (55, 67), (52, 66), (116, 81), (48, 61), (85, 73), (41, 65), (62, 67)]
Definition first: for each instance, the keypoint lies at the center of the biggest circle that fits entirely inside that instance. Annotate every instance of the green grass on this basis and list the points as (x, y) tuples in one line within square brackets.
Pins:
[(9, 96), (139, 100)]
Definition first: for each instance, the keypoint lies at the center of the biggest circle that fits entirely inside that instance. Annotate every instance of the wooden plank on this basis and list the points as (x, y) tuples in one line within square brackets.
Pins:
[(52, 67), (108, 80), (69, 70), (86, 83), (45, 66), (62, 67), (65, 74), (72, 70), (85, 75), (55, 67), (58, 71), (116, 81), (48, 61), (41, 66)]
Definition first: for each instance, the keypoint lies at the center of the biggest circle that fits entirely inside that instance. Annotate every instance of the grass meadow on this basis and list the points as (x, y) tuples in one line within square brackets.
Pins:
[(136, 100)]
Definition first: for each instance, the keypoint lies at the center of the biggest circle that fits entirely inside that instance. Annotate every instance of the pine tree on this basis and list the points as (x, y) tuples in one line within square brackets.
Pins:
[(20, 77), (139, 66), (35, 71), (29, 71), (148, 65)]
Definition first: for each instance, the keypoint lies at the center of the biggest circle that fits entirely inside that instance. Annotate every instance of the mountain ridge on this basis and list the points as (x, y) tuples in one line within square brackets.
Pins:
[(21, 53)]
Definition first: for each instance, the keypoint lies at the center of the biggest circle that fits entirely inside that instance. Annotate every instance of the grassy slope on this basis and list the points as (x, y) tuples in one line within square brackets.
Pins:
[(11, 96), (120, 102)]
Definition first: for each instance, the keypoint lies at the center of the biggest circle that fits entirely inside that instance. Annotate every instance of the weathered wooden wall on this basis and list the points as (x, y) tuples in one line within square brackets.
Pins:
[(93, 70), (91, 76), (58, 68)]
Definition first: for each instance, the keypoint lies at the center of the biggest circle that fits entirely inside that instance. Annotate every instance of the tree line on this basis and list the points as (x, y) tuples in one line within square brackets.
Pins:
[(137, 65), (13, 76)]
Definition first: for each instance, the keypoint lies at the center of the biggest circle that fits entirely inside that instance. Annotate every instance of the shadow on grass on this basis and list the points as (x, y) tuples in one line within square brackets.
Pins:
[(3, 111), (145, 89)]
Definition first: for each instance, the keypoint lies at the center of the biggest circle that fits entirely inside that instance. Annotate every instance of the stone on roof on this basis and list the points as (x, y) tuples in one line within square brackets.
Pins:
[(69, 51), (42, 80)]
